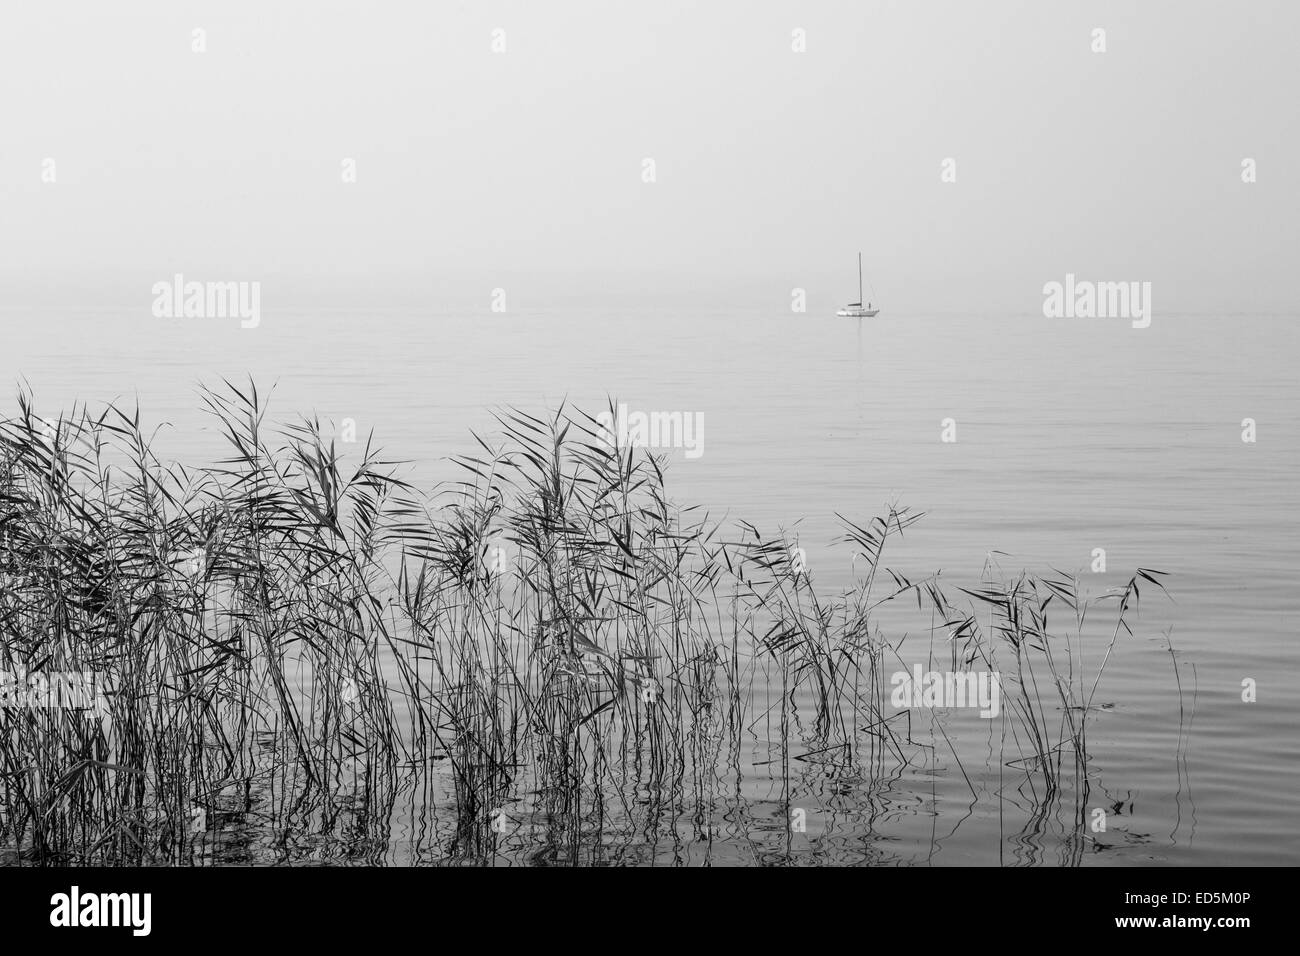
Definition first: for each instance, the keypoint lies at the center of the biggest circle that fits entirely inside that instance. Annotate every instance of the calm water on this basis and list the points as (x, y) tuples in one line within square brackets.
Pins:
[(1071, 435)]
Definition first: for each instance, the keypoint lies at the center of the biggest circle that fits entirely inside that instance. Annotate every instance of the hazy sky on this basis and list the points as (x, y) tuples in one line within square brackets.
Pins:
[(523, 169)]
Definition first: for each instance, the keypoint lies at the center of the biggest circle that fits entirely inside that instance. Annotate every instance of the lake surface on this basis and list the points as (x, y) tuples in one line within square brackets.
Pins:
[(1071, 435)]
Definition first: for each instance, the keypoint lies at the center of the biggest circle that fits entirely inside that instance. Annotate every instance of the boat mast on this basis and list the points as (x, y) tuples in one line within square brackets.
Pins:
[(859, 278)]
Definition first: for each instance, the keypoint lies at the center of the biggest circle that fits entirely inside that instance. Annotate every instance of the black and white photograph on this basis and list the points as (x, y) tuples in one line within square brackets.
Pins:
[(499, 435)]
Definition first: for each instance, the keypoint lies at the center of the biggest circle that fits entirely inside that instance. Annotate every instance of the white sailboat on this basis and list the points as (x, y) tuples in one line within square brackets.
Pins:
[(856, 309)]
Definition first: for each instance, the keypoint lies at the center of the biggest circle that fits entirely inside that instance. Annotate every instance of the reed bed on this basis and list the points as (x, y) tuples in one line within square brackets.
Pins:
[(294, 643)]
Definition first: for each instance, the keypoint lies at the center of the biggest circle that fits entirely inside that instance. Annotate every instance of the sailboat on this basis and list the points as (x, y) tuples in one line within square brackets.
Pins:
[(857, 310)]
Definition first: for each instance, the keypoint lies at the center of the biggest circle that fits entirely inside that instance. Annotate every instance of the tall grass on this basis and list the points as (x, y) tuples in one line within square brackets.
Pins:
[(293, 642)]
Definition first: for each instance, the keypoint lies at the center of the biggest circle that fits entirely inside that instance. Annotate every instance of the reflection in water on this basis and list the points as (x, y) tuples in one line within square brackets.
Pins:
[(316, 666)]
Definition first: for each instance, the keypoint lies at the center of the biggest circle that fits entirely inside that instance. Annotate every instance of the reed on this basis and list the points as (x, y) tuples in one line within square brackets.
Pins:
[(295, 644)]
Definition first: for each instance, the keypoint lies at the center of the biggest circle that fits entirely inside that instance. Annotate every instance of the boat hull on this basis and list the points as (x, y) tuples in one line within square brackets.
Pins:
[(859, 313)]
